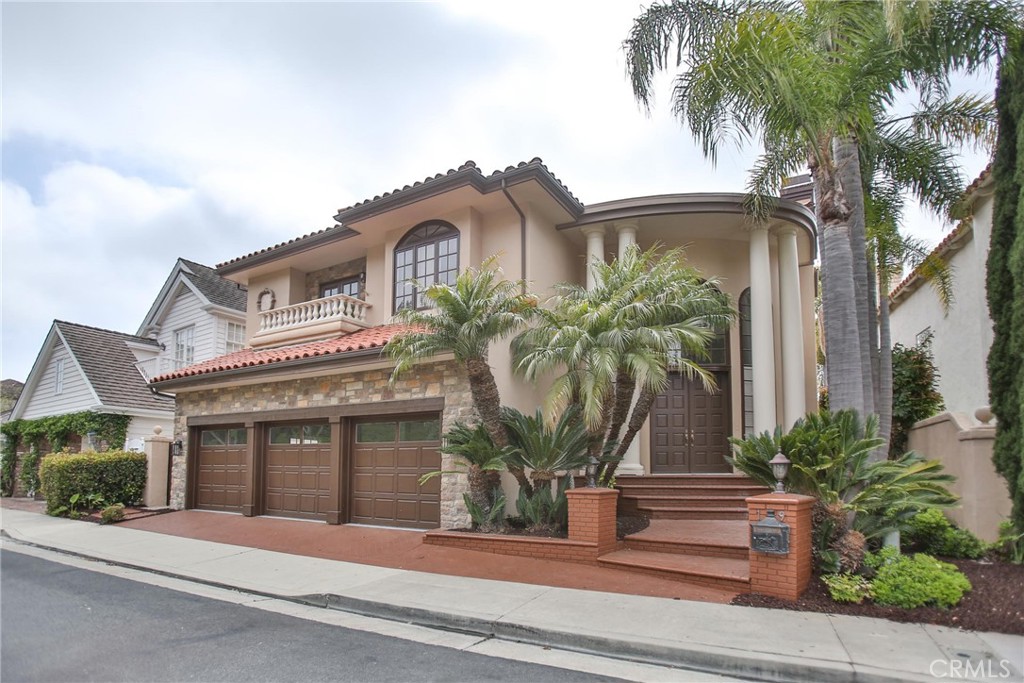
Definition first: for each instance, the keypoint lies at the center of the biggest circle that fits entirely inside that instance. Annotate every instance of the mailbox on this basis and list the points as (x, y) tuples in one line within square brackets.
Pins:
[(769, 535)]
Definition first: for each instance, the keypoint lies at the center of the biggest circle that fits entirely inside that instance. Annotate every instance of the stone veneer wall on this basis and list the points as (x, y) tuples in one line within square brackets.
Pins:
[(332, 273), (427, 380)]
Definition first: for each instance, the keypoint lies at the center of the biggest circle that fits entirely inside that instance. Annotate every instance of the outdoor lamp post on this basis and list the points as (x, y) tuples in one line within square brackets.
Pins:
[(176, 447), (592, 465), (780, 468)]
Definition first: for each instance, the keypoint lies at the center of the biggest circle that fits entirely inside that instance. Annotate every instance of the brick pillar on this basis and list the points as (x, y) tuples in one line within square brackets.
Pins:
[(784, 576), (592, 517)]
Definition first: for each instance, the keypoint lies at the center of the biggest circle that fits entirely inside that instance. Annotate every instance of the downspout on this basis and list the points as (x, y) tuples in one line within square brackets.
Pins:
[(522, 235)]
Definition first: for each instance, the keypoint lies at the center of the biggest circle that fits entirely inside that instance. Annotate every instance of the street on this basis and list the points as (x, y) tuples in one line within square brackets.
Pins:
[(62, 623)]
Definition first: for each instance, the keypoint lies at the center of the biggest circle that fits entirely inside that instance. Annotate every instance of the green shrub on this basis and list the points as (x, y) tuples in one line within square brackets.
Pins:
[(30, 471), (112, 513), (931, 532), (917, 580), (486, 519), (1011, 543), (847, 587), (542, 511), (114, 477), (915, 394), (832, 456)]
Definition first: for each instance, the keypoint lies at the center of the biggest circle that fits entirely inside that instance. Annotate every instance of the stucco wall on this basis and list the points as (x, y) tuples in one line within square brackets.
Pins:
[(962, 338), (965, 450), (427, 380)]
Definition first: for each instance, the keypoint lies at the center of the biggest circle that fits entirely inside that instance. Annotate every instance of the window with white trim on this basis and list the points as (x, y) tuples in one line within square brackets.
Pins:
[(428, 254), (184, 346), (58, 383), (235, 338)]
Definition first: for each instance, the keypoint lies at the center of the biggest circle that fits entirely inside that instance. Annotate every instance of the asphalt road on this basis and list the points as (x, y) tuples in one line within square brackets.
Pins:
[(61, 623)]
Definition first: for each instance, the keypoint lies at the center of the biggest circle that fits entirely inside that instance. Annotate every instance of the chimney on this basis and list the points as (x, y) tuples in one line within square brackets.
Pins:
[(799, 189)]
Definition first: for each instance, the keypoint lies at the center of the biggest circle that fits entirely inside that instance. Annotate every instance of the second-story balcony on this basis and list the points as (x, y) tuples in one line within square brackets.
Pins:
[(310, 320)]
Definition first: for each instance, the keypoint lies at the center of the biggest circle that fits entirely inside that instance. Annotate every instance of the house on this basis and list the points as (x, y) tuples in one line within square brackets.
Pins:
[(305, 423), (961, 436), (196, 315)]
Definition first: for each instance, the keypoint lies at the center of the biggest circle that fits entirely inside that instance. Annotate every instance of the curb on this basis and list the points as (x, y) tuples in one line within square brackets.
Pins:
[(703, 659)]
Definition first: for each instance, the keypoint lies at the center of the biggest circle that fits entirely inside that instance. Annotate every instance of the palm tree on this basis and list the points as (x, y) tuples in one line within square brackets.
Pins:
[(809, 79), (615, 339), (484, 461), (466, 317), (545, 450)]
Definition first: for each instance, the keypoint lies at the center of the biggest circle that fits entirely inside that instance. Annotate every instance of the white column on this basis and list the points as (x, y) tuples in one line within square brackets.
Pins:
[(627, 236), (595, 249), (762, 335), (793, 396), (630, 464)]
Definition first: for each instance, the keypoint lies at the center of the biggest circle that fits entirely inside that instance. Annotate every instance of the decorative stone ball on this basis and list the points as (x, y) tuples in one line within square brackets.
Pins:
[(984, 415), (157, 429)]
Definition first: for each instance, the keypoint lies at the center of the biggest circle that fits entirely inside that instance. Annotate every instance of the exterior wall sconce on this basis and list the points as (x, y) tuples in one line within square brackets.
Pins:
[(176, 448), (592, 466), (780, 468), (769, 535)]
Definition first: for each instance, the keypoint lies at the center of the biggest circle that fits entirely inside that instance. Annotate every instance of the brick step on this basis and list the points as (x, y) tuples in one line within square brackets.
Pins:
[(710, 538), (684, 512), (738, 490), (687, 501), (695, 479), (716, 572)]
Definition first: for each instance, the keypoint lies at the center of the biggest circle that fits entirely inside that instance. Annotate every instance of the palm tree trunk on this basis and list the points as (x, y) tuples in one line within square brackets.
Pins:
[(884, 369), (636, 420), (488, 404), (625, 386), (847, 160), (843, 367)]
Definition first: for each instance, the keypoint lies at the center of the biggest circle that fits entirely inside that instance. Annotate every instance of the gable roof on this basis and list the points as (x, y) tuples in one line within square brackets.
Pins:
[(363, 340), (109, 366), (204, 282), (465, 175), (106, 363)]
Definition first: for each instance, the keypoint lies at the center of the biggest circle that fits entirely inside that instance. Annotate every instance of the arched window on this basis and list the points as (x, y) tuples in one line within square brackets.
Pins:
[(427, 254), (747, 361)]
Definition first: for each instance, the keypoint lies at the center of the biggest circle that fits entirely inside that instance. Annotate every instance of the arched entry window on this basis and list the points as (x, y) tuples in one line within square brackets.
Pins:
[(427, 254), (747, 361)]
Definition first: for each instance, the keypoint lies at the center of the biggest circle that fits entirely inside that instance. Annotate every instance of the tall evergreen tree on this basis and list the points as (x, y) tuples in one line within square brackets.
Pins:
[(1005, 280)]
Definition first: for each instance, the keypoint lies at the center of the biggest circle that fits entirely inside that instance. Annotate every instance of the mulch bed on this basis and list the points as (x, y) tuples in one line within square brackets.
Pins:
[(995, 602), (129, 514)]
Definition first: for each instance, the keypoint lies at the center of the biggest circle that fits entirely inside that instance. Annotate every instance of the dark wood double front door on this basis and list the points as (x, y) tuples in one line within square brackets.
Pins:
[(690, 427)]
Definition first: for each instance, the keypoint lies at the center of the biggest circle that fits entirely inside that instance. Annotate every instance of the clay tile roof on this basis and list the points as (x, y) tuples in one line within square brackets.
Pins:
[(948, 241), (469, 167), (340, 229), (372, 338)]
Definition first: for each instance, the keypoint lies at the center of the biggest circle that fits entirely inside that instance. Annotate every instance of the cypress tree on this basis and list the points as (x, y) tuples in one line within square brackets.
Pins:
[(1005, 280)]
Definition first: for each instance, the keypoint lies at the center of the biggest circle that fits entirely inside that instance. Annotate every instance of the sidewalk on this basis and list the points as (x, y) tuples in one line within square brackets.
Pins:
[(739, 641)]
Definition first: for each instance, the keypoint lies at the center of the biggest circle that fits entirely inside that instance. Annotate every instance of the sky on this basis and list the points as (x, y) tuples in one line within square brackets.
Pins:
[(137, 133)]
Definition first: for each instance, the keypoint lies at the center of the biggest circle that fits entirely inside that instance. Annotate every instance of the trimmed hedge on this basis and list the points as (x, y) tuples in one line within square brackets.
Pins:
[(113, 477)]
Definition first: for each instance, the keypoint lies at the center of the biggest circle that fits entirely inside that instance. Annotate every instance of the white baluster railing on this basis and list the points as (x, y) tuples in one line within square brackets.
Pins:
[(328, 309)]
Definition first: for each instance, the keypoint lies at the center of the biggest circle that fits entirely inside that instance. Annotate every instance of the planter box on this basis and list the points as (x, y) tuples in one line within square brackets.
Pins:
[(561, 549)]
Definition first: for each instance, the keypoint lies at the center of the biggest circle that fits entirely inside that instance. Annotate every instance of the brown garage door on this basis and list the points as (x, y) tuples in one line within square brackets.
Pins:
[(388, 459), (221, 472), (298, 461)]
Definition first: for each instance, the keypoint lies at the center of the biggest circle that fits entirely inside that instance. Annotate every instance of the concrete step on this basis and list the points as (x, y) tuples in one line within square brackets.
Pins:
[(715, 572), (698, 537), (695, 479), (690, 512)]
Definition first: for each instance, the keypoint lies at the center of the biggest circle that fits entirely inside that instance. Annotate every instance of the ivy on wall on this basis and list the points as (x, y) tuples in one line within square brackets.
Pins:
[(56, 431)]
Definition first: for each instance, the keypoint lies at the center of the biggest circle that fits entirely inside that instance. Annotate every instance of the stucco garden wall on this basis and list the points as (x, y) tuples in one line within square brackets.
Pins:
[(428, 380)]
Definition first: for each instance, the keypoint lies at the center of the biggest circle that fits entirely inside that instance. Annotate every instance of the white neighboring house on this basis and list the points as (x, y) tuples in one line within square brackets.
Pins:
[(85, 368), (961, 338), (960, 343), (196, 316)]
